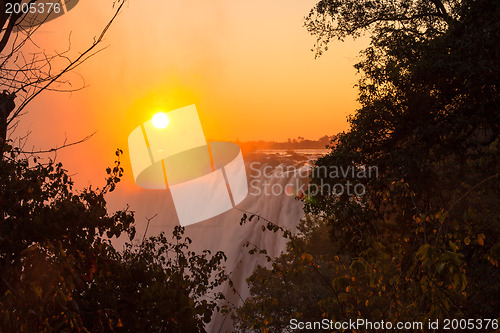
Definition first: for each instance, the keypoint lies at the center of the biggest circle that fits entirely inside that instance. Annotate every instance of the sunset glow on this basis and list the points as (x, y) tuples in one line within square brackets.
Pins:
[(233, 166), (247, 87), (160, 120)]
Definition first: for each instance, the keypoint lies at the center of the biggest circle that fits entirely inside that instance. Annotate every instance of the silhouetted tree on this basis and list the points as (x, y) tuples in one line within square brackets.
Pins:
[(422, 241)]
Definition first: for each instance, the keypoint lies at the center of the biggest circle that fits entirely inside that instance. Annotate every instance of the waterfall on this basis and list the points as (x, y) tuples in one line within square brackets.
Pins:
[(273, 184)]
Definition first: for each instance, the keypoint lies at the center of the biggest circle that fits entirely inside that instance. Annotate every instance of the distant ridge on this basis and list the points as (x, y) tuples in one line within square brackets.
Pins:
[(299, 143)]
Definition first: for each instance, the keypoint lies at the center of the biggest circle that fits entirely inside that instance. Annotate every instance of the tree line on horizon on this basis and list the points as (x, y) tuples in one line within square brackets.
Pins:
[(290, 144)]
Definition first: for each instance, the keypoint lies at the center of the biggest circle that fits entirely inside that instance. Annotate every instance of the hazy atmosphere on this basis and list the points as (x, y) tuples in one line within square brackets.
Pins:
[(248, 66), (249, 166)]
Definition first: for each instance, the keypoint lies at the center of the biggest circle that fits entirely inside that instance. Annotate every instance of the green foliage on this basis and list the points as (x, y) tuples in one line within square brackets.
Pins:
[(294, 284), (60, 273), (51, 238), (338, 19), (423, 241), (157, 286)]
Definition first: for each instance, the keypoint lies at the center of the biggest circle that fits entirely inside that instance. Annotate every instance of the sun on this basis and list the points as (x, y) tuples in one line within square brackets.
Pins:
[(160, 120)]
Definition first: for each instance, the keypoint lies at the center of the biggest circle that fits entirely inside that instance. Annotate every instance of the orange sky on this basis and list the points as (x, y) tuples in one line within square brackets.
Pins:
[(247, 65)]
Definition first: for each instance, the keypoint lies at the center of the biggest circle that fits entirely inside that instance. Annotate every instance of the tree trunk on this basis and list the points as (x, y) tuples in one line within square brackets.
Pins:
[(7, 105)]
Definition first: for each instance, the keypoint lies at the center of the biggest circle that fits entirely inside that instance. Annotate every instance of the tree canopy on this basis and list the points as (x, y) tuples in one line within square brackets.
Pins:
[(422, 240), (60, 271)]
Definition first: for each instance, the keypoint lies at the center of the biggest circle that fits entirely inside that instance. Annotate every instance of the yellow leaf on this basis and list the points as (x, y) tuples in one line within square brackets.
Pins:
[(307, 256), (38, 291), (467, 240), (480, 239)]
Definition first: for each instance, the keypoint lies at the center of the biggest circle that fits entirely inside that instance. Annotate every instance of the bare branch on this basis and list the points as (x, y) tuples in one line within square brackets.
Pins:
[(65, 145), (27, 76)]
